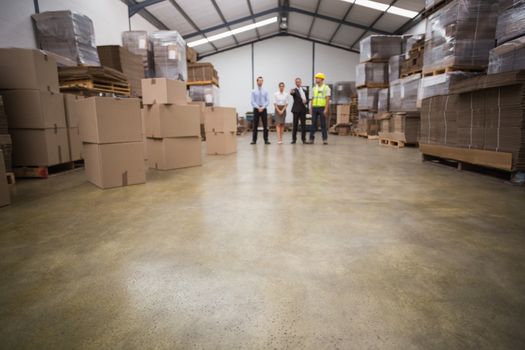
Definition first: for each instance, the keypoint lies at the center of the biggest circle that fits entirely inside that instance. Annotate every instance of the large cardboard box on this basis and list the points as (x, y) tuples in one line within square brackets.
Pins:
[(163, 91), (174, 153), (40, 147), (27, 69), (202, 109), (143, 115), (123, 60), (220, 119), (75, 143), (221, 143), (34, 109), (110, 120), (114, 164), (172, 120), (71, 109), (5, 198)]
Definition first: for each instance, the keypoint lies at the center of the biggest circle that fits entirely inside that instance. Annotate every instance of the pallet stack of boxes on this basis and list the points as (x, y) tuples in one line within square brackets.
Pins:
[(221, 130), (73, 126), (5, 195), (6, 144), (344, 97), (35, 108), (172, 126), (139, 43), (121, 59)]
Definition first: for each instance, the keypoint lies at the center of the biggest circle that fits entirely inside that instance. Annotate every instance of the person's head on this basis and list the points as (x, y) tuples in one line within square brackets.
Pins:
[(298, 82), (281, 86), (260, 81), (319, 78)]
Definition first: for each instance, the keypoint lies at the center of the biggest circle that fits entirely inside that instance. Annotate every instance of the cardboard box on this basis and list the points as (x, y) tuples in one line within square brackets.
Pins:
[(220, 119), (34, 109), (172, 120), (202, 109), (27, 69), (5, 197), (114, 164), (75, 143), (71, 109), (163, 91), (144, 139), (221, 143), (123, 60), (343, 119), (174, 153), (110, 120), (40, 147)]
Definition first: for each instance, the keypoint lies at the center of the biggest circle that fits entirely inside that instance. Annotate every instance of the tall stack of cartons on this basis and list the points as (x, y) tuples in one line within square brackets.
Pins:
[(172, 125), (73, 126), (139, 43), (169, 55), (111, 132), (123, 60), (34, 106), (6, 145), (221, 130)]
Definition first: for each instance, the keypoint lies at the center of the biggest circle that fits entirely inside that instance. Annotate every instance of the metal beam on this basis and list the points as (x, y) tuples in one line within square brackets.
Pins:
[(284, 14), (371, 26), (217, 8), (314, 17), (37, 6), (250, 8), (136, 7), (339, 25), (323, 43), (148, 16)]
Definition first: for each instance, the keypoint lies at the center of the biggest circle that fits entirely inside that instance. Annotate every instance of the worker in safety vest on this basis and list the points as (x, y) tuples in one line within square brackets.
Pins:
[(319, 107)]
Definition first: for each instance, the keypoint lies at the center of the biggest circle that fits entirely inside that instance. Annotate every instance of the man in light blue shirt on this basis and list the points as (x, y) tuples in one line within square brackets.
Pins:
[(260, 101)]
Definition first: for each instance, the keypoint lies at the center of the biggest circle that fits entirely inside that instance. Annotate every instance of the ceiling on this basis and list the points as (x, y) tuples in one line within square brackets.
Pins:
[(336, 23)]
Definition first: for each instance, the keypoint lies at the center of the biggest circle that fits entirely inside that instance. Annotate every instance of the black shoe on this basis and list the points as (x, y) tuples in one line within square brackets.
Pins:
[(253, 143), (325, 142), (294, 142), (304, 141), (267, 143)]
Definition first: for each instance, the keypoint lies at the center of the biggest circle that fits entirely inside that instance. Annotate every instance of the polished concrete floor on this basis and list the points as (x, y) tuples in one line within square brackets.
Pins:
[(345, 246)]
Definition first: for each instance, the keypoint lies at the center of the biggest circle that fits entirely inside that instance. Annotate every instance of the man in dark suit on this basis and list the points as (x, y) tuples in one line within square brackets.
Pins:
[(299, 109)]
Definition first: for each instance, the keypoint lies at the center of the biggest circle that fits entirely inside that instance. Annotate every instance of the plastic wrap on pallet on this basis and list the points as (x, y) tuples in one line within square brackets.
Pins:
[(461, 34), (394, 67), (169, 55), (508, 57), (210, 94), (413, 42), (379, 47), (511, 21), (409, 93), (138, 42), (367, 99), (69, 34), (395, 96), (440, 84), (371, 73), (404, 41), (343, 92), (382, 100)]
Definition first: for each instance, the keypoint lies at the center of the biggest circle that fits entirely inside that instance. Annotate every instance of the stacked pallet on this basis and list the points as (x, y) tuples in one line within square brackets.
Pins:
[(169, 55), (344, 97), (122, 60), (139, 43), (202, 74), (413, 56), (92, 81)]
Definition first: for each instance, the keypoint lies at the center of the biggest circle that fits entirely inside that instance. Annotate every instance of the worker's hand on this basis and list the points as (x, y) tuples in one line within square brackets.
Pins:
[(325, 112), (261, 110), (292, 91)]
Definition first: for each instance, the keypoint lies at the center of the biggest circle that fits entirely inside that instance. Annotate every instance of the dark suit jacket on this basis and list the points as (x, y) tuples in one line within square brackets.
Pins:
[(298, 105)]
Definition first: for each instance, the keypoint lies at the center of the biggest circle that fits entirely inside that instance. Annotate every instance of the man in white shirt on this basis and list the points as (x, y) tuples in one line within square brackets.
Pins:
[(259, 102)]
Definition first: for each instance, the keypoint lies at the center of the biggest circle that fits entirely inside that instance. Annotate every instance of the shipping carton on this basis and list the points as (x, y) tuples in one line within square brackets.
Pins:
[(75, 143), (220, 119), (110, 120), (34, 109), (172, 120), (71, 109), (163, 91), (143, 117), (5, 198), (221, 143), (202, 109), (114, 164), (27, 69), (174, 153), (40, 147)]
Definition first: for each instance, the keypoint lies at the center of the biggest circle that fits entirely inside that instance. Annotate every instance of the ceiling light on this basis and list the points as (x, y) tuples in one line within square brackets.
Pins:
[(232, 32), (384, 7)]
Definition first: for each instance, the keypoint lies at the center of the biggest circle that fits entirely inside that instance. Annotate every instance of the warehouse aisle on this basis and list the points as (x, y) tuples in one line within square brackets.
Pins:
[(345, 246)]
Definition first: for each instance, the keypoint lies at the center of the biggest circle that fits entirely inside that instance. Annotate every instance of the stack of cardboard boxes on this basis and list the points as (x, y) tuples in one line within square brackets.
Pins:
[(6, 144), (111, 130), (221, 130), (121, 59), (172, 126), (5, 198), (73, 126)]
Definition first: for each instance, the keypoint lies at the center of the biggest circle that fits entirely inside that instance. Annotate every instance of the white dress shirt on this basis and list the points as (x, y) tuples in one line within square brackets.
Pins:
[(301, 92), (281, 98)]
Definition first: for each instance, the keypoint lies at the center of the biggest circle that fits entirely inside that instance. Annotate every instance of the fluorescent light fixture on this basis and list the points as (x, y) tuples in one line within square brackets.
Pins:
[(233, 32), (384, 7)]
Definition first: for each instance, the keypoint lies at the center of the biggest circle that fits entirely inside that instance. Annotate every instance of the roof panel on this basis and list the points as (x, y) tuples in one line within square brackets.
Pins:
[(201, 12), (362, 15), (390, 22), (233, 9), (413, 5), (334, 8), (323, 29), (299, 23), (309, 5), (262, 5), (168, 15), (269, 29), (347, 35)]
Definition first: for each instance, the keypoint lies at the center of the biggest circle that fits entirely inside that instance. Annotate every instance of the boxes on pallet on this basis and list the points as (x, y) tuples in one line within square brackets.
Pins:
[(343, 114), (191, 55), (138, 42), (75, 143), (5, 197), (220, 119), (221, 143), (4, 125), (409, 93), (73, 125), (144, 138), (174, 152), (169, 55), (172, 120), (121, 59), (367, 99), (6, 146), (394, 67), (163, 91), (27, 69), (507, 57), (382, 100), (343, 92), (511, 20), (209, 94), (40, 147), (440, 84), (203, 71), (379, 48), (34, 109), (372, 74)]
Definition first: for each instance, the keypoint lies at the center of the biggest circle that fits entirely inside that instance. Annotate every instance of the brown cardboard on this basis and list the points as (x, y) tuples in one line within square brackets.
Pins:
[(110, 120), (174, 153), (114, 164), (220, 119), (5, 197), (143, 117), (221, 143), (163, 91), (172, 120), (71, 109), (39, 147), (34, 109), (202, 107), (75, 143), (27, 69)]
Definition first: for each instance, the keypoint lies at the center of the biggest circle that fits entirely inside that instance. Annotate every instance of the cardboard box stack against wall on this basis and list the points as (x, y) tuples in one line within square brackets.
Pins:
[(172, 125), (220, 124), (111, 132), (5, 196)]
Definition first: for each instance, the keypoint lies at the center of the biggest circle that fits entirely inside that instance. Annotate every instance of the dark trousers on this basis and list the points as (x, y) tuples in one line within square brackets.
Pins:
[(256, 116), (296, 118), (318, 114)]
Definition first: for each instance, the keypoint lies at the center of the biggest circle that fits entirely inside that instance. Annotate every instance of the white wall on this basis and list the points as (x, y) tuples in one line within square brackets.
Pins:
[(16, 29)]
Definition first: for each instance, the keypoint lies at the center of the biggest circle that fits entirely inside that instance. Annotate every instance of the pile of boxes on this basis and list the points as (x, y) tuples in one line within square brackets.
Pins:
[(5, 196), (169, 55), (6, 145), (172, 126), (121, 59), (221, 130), (138, 42), (73, 126)]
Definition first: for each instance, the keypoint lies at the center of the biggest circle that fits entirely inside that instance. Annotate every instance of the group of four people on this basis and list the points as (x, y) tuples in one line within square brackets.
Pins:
[(319, 105)]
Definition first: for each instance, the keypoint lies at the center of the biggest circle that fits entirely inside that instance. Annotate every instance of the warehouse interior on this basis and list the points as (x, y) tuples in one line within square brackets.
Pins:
[(140, 206)]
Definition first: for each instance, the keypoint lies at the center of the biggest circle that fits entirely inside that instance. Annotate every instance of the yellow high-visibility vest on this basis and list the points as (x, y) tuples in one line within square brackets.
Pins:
[(319, 98)]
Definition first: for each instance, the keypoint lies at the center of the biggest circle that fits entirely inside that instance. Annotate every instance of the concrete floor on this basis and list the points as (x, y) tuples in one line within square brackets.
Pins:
[(345, 246)]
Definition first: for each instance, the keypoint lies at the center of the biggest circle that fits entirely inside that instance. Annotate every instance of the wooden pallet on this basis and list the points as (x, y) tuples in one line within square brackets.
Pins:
[(43, 172), (439, 71), (94, 85), (10, 178), (203, 82), (374, 86), (407, 74), (394, 143)]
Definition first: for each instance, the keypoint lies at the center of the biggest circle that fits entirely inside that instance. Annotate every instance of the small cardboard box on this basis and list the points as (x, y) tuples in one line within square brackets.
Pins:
[(174, 153), (75, 143), (72, 112), (221, 143), (202, 107), (343, 119), (5, 197), (34, 109), (40, 147), (172, 120), (343, 110), (220, 119), (110, 120), (27, 69), (114, 164), (163, 91)]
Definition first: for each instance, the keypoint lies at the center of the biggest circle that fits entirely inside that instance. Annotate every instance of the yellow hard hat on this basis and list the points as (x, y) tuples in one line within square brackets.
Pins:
[(320, 76)]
